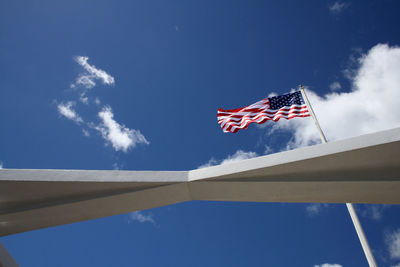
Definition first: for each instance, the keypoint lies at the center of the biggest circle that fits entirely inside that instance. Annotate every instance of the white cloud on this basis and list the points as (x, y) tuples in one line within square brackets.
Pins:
[(337, 7), (142, 218), (87, 79), (370, 106), (272, 94), (393, 243), (335, 86), (83, 98), (315, 208), (268, 150), (84, 80), (238, 156), (1, 165), (85, 132), (374, 211), (120, 137), (117, 166), (328, 265), (211, 162), (67, 111), (353, 63)]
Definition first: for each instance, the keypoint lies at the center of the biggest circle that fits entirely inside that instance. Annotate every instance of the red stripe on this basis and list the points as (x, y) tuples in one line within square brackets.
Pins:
[(227, 113), (238, 118), (247, 116), (248, 122), (233, 121), (266, 100)]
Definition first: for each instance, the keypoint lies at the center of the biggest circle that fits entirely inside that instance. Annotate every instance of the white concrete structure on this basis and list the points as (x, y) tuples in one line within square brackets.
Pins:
[(364, 169), (6, 260)]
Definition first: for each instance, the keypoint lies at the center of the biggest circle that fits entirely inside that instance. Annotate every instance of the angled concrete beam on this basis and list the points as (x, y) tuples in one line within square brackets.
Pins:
[(6, 260), (364, 169)]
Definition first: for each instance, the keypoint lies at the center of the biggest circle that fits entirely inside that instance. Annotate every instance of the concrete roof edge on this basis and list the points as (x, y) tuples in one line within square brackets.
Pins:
[(60, 175), (303, 153)]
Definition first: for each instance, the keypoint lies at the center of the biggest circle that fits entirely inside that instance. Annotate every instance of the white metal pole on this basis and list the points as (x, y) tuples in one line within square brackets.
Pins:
[(321, 133), (350, 208), (361, 236)]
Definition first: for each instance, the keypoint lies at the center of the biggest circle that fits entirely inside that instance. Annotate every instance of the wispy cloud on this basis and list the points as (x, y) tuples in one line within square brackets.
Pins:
[(140, 217), (370, 106), (209, 163), (1, 165), (66, 110), (353, 63), (335, 86), (87, 78), (237, 156), (373, 211), (84, 80), (83, 98), (117, 166), (393, 243), (328, 265), (315, 208), (85, 132), (337, 7), (268, 150), (118, 135)]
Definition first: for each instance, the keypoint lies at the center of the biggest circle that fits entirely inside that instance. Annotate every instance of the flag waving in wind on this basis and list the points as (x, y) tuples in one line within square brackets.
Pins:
[(285, 106)]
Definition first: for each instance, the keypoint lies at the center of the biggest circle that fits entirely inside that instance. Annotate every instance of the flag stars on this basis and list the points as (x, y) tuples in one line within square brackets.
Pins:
[(287, 100), (285, 106)]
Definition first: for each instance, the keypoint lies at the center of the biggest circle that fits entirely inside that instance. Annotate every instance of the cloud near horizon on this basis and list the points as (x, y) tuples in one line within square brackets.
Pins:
[(373, 211), (118, 135), (328, 265), (141, 218), (370, 106), (237, 156), (315, 208)]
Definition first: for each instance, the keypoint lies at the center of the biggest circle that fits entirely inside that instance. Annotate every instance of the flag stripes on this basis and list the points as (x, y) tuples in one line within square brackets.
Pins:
[(287, 106)]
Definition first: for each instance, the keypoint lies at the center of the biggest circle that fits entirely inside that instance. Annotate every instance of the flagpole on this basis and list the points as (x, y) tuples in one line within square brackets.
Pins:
[(350, 208), (321, 133)]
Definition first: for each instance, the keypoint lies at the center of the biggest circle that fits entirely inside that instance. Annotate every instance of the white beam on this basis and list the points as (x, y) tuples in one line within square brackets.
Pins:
[(364, 169)]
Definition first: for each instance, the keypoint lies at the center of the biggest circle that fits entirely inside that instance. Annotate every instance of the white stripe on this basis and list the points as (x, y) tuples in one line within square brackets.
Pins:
[(242, 123), (244, 114), (270, 110)]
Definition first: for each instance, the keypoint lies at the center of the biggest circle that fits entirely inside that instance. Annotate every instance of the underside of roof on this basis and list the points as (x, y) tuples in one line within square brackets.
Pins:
[(364, 169)]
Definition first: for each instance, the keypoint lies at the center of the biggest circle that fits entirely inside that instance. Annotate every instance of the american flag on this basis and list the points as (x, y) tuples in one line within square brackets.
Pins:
[(285, 106)]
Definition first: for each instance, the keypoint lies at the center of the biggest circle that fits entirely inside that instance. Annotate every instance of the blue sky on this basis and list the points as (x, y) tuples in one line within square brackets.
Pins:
[(135, 85)]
